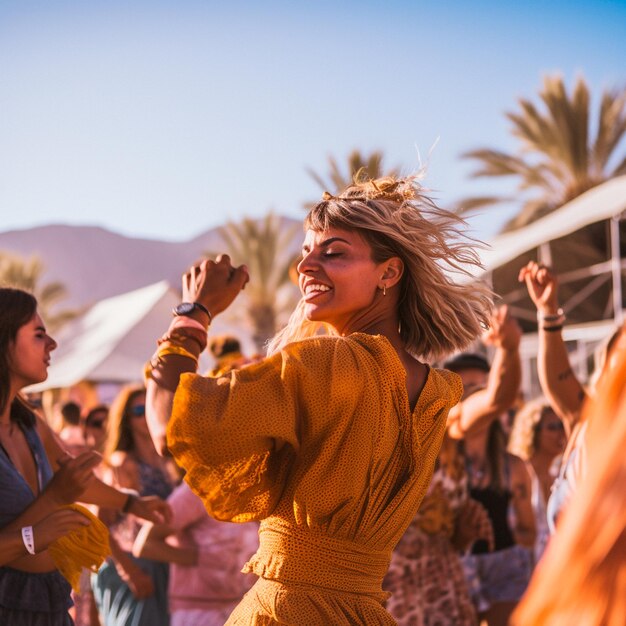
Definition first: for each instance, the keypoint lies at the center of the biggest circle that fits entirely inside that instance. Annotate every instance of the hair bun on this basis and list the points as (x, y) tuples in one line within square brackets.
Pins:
[(387, 188)]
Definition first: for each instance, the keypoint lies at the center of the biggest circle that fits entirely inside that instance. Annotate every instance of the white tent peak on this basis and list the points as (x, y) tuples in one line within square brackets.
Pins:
[(599, 203), (113, 339)]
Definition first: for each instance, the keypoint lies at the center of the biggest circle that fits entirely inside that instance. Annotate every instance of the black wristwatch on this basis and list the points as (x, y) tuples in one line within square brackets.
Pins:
[(187, 308)]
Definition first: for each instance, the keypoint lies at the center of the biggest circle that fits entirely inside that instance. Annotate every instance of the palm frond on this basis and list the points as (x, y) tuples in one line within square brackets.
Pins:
[(556, 157), (360, 166), (611, 129), (26, 274), (469, 205)]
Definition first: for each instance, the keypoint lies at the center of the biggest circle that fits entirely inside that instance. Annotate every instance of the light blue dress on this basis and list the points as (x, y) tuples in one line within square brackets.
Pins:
[(116, 603)]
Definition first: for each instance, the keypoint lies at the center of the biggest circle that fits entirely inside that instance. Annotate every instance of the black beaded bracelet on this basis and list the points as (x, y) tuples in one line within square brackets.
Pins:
[(552, 329)]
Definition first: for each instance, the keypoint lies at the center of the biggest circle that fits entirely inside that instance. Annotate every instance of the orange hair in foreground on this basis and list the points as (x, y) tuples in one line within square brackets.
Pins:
[(582, 577)]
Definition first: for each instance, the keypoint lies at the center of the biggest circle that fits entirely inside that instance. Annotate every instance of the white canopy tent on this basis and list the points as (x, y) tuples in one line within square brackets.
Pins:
[(585, 243), (603, 202), (111, 342), (563, 240)]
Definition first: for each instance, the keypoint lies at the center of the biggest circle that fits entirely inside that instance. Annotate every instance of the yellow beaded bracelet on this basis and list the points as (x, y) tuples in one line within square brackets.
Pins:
[(174, 349)]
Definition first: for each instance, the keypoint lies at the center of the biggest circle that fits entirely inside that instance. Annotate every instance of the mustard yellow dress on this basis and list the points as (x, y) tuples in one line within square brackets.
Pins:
[(320, 444)]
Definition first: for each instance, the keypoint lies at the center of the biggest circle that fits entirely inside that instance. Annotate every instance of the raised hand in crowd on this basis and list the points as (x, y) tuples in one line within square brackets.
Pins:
[(542, 286), (500, 389), (558, 382)]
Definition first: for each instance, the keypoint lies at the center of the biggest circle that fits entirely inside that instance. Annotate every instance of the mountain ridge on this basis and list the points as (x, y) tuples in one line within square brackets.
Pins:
[(94, 263)]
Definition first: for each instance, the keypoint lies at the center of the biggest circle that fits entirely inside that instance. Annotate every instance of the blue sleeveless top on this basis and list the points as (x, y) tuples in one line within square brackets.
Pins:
[(29, 598), (15, 493)]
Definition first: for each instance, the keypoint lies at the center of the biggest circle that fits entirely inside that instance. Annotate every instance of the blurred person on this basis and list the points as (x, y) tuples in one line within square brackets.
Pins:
[(582, 576), (226, 350), (38, 480), (538, 437), (205, 558), (561, 387), (331, 440), (95, 427), (500, 482), (71, 431), (130, 591), (426, 576)]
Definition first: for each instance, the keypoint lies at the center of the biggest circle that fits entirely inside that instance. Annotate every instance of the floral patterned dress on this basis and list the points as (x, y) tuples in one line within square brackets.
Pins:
[(425, 576)]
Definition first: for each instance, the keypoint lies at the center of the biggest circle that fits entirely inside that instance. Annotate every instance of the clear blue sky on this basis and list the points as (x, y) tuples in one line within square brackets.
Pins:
[(163, 119)]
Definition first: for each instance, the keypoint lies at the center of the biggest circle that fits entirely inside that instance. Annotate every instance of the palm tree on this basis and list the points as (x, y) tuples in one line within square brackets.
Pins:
[(26, 274), (360, 167), (562, 151), (264, 246)]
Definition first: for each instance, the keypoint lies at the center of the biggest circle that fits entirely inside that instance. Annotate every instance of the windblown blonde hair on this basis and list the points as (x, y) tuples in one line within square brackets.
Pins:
[(523, 437), (437, 315), (582, 576)]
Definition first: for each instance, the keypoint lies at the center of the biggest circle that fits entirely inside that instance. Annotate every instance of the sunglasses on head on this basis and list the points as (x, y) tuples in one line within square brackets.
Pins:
[(138, 410)]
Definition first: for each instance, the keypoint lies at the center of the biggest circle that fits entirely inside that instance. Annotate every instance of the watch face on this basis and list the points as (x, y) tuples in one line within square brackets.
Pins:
[(184, 308)]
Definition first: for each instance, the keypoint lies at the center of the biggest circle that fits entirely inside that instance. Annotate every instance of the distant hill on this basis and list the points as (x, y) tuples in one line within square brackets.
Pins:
[(94, 263)]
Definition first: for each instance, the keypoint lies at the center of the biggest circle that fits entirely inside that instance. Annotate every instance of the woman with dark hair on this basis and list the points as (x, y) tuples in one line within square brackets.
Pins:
[(38, 479), (129, 590), (331, 440)]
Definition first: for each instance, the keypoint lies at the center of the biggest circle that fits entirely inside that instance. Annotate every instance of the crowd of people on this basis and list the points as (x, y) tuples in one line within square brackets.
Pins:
[(378, 466)]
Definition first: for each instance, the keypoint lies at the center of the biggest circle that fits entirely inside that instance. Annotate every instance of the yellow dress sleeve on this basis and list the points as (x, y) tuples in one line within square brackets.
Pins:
[(235, 436)]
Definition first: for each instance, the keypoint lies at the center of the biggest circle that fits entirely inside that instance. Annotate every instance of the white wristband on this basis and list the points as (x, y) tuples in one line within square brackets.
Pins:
[(29, 539)]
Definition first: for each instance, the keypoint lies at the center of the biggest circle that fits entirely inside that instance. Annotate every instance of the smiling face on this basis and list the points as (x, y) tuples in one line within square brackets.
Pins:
[(339, 280), (29, 355)]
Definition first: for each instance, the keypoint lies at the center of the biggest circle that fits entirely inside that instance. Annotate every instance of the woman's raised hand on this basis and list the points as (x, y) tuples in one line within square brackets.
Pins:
[(215, 284), (542, 286), (72, 478), (504, 330)]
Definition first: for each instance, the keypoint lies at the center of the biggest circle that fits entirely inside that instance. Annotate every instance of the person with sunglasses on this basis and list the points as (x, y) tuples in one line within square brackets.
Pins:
[(95, 427), (129, 590)]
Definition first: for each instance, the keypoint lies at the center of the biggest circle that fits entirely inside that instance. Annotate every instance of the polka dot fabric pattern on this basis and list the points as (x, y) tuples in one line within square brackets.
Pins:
[(320, 444)]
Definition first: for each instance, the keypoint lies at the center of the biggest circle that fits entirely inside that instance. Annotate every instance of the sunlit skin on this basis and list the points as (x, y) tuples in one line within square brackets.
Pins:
[(30, 354), (343, 286)]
